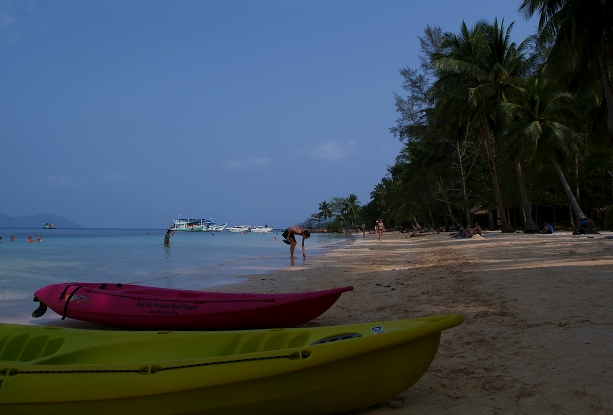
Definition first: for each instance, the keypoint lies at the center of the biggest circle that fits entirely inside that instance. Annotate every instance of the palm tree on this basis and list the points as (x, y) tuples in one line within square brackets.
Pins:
[(477, 70), (582, 35), (353, 209), (325, 212), (543, 125)]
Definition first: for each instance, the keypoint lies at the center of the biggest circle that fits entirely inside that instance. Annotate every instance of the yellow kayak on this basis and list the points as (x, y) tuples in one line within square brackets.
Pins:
[(323, 370)]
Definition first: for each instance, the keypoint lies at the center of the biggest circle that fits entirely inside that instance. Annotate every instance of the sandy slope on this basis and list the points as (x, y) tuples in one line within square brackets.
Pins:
[(538, 330)]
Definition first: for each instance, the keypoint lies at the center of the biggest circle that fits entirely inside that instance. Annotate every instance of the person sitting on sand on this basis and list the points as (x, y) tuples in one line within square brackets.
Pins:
[(457, 234), (547, 229), (290, 238), (477, 229), (468, 232)]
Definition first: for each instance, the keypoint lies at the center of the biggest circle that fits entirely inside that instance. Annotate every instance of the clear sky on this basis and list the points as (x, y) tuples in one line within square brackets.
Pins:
[(123, 114)]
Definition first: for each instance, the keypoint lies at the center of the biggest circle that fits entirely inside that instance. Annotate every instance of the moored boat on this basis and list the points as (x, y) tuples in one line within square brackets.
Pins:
[(212, 226), (162, 308), (188, 225), (239, 228), (322, 370), (260, 229), (48, 225)]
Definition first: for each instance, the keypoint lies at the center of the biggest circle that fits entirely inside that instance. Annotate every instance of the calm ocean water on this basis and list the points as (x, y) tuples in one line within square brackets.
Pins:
[(192, 261)]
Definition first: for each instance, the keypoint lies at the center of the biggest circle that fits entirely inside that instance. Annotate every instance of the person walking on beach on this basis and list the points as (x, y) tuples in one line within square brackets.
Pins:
[(167, 237), (379, 227), (363, 230), (290, 239)]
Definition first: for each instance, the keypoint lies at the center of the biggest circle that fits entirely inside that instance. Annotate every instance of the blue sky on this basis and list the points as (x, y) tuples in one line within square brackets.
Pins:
[(126, 113)]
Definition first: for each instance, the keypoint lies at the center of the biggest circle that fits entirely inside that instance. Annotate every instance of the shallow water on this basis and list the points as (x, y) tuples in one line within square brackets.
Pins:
[(192, 261)]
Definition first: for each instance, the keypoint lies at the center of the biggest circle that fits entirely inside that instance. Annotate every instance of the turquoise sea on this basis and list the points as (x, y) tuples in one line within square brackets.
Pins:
[(194, 260)]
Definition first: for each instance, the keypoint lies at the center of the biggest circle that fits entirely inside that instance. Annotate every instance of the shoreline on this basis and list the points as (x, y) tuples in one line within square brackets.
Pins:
[(17, 310), (536, 336)]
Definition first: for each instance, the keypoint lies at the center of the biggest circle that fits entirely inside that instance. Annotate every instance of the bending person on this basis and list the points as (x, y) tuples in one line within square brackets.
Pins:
[(290, 238)]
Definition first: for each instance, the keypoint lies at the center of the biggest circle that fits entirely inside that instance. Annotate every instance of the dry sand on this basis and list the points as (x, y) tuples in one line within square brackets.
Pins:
[(537, 335)]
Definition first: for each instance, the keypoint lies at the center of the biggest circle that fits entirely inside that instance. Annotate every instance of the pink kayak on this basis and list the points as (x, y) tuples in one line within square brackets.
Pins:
[(162, 308)]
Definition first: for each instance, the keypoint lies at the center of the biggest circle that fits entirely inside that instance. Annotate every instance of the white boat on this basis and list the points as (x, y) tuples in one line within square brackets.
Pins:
[(197, 225), (261, 229), (188, 225), (239, 228), (213, 226)]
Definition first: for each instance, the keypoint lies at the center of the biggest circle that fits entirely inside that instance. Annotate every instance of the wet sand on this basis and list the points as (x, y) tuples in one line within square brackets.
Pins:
[(537, 335)]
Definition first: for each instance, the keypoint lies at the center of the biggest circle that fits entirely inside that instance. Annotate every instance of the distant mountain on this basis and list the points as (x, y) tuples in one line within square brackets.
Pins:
[(36, 221)]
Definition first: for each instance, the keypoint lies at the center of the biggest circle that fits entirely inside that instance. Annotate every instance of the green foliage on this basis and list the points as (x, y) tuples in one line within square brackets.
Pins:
[(344, 210), (483, 117), (476, 88), (335, 226)]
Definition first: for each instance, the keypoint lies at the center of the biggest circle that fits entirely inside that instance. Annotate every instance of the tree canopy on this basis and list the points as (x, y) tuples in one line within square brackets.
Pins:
[(512, 133)]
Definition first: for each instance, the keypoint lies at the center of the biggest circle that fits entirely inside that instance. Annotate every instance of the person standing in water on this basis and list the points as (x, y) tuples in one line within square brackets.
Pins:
[(167, 237), (290, 239)]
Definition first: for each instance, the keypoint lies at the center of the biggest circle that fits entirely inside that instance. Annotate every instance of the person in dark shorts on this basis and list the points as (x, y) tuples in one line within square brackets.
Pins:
[(289, 236)]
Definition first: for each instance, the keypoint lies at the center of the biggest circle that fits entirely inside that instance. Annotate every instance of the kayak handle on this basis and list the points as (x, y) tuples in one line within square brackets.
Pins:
[(42, 309)]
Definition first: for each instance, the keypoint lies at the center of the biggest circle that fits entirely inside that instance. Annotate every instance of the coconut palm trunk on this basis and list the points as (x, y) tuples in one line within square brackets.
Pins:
[(606, 82), (529, 226), (569, 193), (453, 219), (506, 227)]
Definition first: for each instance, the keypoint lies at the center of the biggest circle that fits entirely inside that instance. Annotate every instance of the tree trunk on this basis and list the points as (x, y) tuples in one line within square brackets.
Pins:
[(430, 212), (529, 225), (456, 223), (463, 178), (504, 222), (606, 82), (569, 193), (577, 180)]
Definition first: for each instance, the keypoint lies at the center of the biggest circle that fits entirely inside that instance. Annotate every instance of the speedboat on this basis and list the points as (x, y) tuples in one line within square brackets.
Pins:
[(239, 228), (212, 226), (260, 229)]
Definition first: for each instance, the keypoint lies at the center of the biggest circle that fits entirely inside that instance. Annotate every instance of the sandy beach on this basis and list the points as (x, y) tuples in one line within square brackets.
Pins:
[(537, 335)]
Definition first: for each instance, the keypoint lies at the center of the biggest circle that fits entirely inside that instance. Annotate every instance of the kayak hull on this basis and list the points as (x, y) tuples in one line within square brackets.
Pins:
[(328, 378), (159, 308)]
